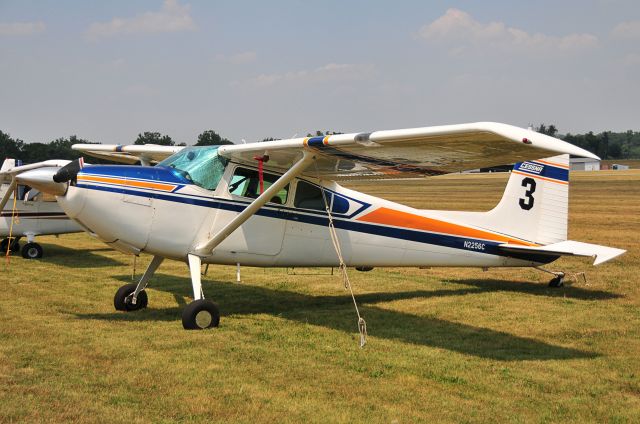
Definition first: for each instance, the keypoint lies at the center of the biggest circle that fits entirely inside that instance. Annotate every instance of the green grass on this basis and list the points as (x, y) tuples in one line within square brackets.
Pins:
[(452, 345)]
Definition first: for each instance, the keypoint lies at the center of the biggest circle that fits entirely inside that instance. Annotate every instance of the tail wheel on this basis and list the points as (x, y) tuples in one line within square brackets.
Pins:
[(200, 314), (557, 281), (32, 251)]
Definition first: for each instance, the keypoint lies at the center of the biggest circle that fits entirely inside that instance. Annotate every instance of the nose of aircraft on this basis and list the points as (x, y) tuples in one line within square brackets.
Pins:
[(42, 179)]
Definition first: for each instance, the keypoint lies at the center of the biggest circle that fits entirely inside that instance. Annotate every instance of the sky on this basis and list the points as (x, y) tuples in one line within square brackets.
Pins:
[(106, 71)]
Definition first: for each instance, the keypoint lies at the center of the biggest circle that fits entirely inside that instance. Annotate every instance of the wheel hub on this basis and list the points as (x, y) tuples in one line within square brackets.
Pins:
[(203, 319)]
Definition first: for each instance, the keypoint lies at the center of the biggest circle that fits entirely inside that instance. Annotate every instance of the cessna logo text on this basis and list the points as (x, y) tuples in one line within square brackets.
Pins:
[(532, 167)]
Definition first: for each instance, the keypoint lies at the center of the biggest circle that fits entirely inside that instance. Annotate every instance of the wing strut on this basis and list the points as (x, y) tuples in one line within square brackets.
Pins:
[(10, 189), (205, 249)]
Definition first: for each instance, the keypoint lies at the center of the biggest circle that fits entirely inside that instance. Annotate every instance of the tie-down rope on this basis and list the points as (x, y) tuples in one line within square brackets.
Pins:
[(362, 325), (13, 218)]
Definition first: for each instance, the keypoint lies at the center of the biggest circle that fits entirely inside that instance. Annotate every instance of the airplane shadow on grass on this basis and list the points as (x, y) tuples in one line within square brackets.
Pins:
[(66, 256), (336, 312)]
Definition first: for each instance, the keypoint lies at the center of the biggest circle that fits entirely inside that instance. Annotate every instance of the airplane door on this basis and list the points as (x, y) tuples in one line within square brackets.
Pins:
[(260, 235), (263, 233)]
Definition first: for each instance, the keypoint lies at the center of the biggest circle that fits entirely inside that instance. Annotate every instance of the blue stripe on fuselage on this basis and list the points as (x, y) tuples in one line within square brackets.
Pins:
[(543, 170), (349, 225), (161, 174)]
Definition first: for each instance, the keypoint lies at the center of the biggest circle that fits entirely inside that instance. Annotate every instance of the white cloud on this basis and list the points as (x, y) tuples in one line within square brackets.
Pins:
[(21, 28), (329, 72), (461, 31), (173, 17), (627, 30), (238, 58)]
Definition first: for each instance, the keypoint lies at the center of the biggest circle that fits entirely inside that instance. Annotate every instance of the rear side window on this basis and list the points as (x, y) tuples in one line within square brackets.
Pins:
[(309, 196), (246, 183)]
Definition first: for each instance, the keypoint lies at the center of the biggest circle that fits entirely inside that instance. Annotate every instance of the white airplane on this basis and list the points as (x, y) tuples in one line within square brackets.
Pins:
[(26, 212), (278, 204)]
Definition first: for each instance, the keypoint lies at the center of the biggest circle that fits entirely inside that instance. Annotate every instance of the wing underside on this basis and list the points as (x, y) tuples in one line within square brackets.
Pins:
[(407, 153), (129, 154)]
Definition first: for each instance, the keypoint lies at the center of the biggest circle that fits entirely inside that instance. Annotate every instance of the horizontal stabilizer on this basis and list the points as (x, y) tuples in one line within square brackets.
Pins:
[(601, 254)]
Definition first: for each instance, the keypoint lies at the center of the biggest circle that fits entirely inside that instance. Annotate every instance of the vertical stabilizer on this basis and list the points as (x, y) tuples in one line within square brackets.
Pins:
[(8, 164), (535, 203)]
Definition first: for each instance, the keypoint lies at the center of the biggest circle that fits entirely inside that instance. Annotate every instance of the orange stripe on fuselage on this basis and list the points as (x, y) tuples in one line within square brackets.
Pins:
[(539, 177), (125, 182), (401, 219)]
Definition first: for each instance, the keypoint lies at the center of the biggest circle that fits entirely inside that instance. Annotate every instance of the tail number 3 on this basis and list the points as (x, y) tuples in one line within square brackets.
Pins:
[(526, 203)]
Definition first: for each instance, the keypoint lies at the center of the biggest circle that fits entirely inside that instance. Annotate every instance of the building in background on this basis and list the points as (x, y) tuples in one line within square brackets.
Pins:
[(619, 167), (584, 164)]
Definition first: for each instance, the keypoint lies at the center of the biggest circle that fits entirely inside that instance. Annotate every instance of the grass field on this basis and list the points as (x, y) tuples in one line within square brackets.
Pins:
[(448, 345)]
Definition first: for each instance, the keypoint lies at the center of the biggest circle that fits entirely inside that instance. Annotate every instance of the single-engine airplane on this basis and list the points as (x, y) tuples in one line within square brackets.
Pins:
[(26, 212), (278, 203)]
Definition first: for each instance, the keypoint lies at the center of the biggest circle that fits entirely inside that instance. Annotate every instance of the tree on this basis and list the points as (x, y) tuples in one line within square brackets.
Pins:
[(615, 151), (10, 148), (211, 138), (551, 130), (154, 138), (321, 134)]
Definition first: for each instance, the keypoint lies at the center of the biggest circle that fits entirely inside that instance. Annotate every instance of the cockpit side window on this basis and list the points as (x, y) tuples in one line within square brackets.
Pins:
[(246, 183)]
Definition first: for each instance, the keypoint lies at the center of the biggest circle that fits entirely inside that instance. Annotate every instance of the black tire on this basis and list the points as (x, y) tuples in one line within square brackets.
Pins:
[(364, 268), (122, 299), (557, 282), (200, 314), (32, 251), (15, 245)]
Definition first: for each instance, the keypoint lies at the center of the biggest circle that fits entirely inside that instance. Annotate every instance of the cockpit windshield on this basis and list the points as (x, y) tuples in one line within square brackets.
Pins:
[(200, 165)]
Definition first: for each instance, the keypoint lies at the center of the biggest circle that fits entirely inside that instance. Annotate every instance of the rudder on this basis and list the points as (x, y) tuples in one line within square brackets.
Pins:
[(535, 203)]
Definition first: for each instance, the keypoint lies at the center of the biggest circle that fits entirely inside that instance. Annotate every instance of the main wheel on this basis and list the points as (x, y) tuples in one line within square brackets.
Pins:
[(123, 298), (15, 245), (32, 251), (557, 281), (200, 314)]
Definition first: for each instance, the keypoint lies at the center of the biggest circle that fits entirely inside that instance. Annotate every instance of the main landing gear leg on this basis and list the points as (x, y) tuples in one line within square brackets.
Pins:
[(132, 297), (200, 313)]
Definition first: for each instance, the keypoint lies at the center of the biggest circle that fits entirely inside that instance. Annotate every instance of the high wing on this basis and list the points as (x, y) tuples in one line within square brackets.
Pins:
[(406, 153), (7, 176), (131, 154)]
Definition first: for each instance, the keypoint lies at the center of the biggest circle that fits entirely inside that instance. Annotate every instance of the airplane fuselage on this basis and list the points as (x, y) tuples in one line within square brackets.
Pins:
[(158, 211)]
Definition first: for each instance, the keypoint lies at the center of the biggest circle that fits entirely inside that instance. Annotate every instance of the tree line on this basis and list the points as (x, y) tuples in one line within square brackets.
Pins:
[(60, 148), (607, 144)]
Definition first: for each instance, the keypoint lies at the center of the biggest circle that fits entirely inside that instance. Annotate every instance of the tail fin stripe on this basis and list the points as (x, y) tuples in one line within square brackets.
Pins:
[(552, 163), (539, 177)]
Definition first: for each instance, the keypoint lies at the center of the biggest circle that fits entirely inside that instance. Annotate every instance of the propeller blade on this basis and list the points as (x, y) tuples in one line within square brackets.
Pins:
[(69, 171)]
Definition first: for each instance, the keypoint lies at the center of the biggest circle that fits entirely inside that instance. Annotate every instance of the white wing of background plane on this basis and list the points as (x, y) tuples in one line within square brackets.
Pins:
[(7, 175), (130, 154), (416, 152)]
